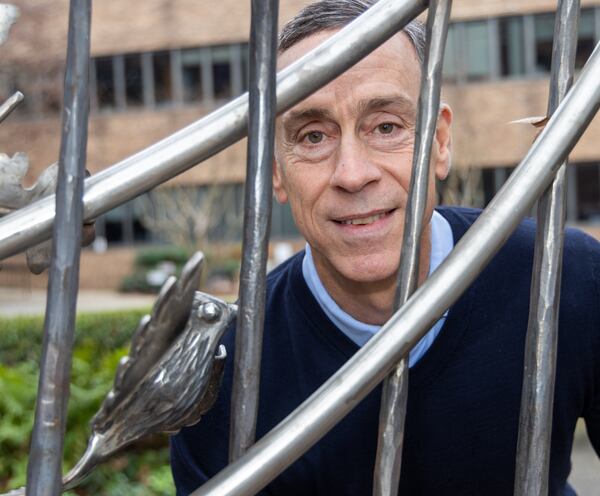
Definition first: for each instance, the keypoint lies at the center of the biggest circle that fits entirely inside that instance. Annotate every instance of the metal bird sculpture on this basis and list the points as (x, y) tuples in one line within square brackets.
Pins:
[(171, 376)]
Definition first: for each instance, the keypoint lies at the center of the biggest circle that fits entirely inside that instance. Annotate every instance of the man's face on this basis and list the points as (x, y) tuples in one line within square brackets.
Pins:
[(344, 158)]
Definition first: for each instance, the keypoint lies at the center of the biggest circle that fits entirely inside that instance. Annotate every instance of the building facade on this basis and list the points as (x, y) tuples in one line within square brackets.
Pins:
[(159, 65)]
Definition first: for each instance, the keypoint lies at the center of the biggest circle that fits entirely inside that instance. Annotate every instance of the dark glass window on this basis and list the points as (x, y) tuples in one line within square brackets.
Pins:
[(133, 80), (585, 42), (512, 60), (544, 32), (245, 66), (161, 66), (451, 60), (477, 61), (588, 192), (105, 84), (191, 65), (221, 68)]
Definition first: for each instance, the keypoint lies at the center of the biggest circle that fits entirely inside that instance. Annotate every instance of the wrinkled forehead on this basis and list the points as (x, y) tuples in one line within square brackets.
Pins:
[(396, 55), (400, 43)]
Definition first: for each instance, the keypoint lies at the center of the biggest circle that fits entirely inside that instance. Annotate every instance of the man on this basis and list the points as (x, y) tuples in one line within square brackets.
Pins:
[(343, 162)]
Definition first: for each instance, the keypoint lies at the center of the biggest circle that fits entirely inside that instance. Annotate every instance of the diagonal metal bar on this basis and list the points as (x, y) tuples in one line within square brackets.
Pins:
[(535, 422), (388, 461), (257, 223), (10, 104), (45, 460), (279, 448), (206, 137)]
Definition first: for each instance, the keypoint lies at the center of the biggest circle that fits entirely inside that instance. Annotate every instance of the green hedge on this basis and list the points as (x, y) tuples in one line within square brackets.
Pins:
[(101, 340)]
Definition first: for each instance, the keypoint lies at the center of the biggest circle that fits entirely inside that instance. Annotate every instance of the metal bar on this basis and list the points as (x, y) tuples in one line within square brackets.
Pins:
[(9, 105), (352, 382), (257, 224), (45, 460), (206, 137), (535, 422), (386, 477)]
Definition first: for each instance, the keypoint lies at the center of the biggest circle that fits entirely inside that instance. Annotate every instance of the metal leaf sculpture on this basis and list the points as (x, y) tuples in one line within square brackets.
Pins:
[(171, 376), (8, 15), (14, 196)]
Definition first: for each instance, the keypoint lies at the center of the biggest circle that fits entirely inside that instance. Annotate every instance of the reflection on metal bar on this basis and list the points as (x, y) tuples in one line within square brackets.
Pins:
[(395, 387), (257, 215), (45, 461), (351, 383), (535, 422), (9, 105), (180, 151)]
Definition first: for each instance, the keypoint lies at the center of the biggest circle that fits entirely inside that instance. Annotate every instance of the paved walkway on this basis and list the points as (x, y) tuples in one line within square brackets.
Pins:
[(19, 302)]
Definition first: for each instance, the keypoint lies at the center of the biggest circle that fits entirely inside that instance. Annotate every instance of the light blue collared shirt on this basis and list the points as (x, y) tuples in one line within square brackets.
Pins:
[(442, 243)]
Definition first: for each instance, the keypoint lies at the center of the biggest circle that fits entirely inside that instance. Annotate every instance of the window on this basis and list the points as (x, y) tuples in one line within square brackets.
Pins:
[(191, 66), (133, 80), (477, 53), (450, 71), (221, 69), (512, 60), (245, 66), (585, 42), (161, 68), (105, 84), (543, 33), (588, 192)]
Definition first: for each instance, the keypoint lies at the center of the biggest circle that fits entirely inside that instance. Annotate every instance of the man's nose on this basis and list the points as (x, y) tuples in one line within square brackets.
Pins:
[(354, 168)]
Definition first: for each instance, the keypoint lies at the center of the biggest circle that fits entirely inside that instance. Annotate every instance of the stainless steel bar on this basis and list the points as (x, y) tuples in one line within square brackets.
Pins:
[(388, 461), (257, 223), (535, 422), (45, 459), (10, 104), (202, 139), (347, 387)]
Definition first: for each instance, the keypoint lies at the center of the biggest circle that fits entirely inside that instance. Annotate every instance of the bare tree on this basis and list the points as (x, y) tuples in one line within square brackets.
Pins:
[(186, 215)]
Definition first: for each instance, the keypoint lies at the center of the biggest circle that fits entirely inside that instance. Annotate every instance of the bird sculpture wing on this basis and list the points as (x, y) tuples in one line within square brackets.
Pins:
[(154, 336)]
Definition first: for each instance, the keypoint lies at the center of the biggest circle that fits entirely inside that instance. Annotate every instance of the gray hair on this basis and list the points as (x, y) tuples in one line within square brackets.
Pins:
[(324, 15)]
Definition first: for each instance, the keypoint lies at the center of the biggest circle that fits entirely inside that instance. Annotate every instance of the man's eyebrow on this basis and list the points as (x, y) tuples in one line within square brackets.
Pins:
[(405, 105), (295, 118)]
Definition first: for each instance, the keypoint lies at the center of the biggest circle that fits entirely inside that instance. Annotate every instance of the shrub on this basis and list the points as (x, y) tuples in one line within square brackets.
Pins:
[(150, 257), (101, 340)]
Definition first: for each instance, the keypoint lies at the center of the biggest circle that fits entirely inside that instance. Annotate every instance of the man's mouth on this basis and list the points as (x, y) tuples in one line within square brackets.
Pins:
[(369, 219)]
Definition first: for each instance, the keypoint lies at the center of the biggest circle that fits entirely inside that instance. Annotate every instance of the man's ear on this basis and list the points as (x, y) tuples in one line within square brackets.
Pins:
[(443, 143), (278, 187)]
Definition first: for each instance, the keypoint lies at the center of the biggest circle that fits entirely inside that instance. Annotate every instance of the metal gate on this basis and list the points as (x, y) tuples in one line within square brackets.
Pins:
[(540, 176)]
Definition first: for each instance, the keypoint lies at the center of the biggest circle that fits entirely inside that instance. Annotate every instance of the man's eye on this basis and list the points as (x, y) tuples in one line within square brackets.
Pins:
[(314, 137), (386, 128)]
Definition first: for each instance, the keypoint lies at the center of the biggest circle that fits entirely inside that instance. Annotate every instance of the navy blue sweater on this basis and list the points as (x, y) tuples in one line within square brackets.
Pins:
[(464, 394)]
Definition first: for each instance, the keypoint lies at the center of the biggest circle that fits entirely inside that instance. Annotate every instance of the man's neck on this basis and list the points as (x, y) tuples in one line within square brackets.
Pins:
[(370, 302)]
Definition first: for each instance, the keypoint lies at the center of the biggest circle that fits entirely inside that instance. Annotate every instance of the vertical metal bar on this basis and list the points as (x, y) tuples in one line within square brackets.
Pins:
[(535, 422), (44, 468), (395, 387), (10, 104), (257, 219)]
